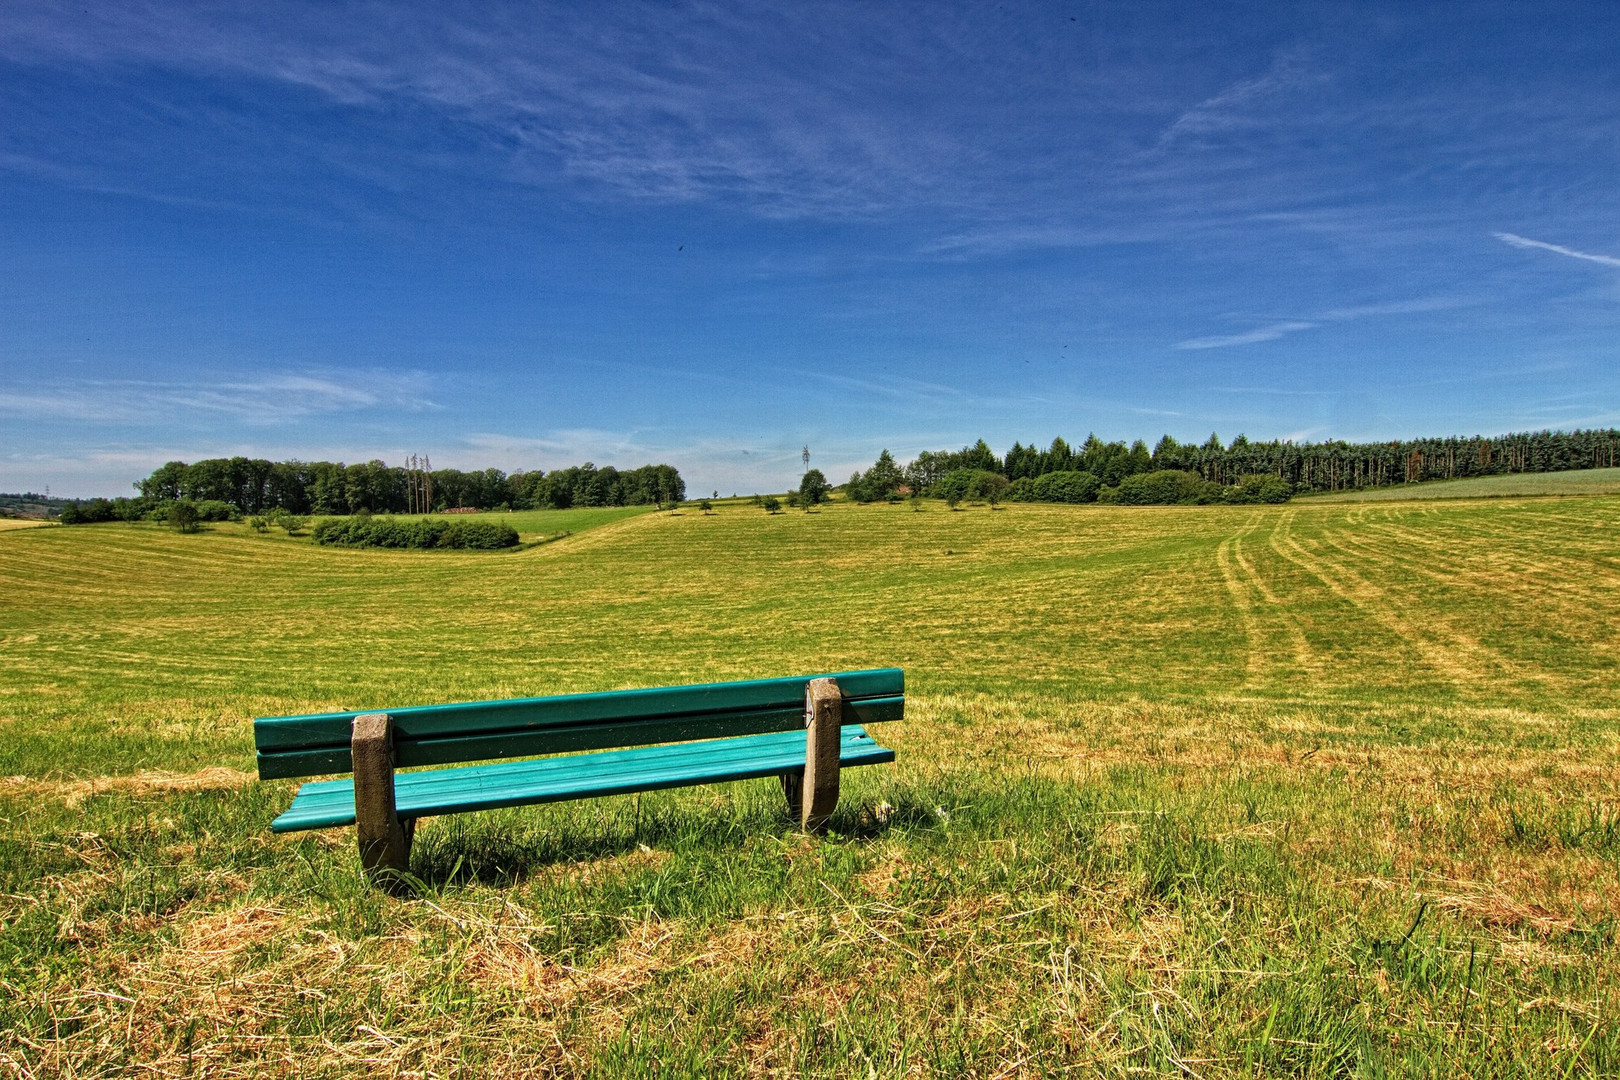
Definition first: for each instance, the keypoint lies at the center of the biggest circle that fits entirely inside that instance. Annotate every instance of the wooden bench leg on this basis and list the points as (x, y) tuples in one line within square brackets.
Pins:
[(813, 795), (385, 840), (793, 788)]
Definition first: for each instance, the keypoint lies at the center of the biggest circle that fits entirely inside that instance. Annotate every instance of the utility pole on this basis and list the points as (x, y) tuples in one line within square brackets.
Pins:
[(806, 457)]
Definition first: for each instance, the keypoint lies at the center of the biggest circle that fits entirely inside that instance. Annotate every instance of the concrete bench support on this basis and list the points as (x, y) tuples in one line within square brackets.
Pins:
[(813, 794), (385, 840)]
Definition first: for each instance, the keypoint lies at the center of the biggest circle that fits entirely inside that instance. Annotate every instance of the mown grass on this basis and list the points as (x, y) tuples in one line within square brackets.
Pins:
[(1517, 485), (1300, 790)]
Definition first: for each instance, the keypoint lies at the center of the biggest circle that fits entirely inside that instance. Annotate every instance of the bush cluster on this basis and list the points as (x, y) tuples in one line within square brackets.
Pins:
[(1068, 486), (1176, 487), (89, 513), (959, 484), (188, 511), (204, 509), (387, 532)]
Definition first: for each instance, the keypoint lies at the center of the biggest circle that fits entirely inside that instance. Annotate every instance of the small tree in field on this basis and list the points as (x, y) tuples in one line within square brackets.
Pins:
[(183, 516), (706, 506), (772, 504), (813, 489), (989, 486)]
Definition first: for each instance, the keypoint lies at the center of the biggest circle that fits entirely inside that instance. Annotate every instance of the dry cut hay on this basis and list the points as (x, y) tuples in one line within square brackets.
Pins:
[(74, 792)]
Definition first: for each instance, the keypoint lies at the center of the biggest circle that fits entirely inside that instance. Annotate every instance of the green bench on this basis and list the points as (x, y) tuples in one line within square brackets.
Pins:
[(803, 729)]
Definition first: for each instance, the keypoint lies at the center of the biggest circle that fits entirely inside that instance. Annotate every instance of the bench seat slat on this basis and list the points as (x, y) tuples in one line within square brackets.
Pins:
[(409, 753), (326, 803), (275, 734)]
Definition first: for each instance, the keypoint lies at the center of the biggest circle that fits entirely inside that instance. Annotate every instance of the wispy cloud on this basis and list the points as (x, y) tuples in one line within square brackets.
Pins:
[(1557, 249), (904, 389), (1274, 330), (1250, 337), (266, 400), (1239, 105), (563, 447), (660, 103)]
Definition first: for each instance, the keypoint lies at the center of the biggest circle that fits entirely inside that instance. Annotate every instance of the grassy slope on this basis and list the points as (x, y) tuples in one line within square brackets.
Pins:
[(1226, 791), (1579, 482)]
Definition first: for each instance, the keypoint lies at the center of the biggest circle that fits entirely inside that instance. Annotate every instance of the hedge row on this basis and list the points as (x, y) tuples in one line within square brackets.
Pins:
[(95, 511), (387, 532)]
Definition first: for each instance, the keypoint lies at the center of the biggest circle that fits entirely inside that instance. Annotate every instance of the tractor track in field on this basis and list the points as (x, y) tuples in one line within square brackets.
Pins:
[(1457, 657), (1241, 580)]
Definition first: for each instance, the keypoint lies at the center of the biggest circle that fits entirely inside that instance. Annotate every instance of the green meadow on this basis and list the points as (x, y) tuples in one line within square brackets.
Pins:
[(1316, 790), (1514, 485)]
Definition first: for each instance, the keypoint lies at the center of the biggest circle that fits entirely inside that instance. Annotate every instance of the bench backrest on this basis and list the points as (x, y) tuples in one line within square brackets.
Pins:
[(318, 743)]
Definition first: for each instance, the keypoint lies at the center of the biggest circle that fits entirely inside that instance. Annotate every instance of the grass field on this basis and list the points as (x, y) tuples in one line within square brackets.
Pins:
[(1518, 485), (1309, 790)]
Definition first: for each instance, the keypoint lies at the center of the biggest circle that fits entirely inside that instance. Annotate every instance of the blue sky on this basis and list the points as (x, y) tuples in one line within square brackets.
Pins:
[(710, 234)]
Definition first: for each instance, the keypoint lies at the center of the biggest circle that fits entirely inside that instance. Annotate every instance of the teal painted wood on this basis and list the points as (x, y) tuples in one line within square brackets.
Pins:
[(571, 739), (273, 733), (319, 743), (325, 803)]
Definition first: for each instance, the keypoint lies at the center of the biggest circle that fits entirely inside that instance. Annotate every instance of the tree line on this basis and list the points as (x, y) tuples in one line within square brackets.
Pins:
[(1213, 471), (257, 486)]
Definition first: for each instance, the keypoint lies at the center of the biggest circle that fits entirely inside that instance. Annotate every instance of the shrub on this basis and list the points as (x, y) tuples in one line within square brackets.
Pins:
[(772, 504), (1166, 487), (88, 513), (813, 488), (479, 536), (970, 484), (131, 509), (878, 484), (183, 516), (1260, 488), (1069, 486), (388, 532)]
